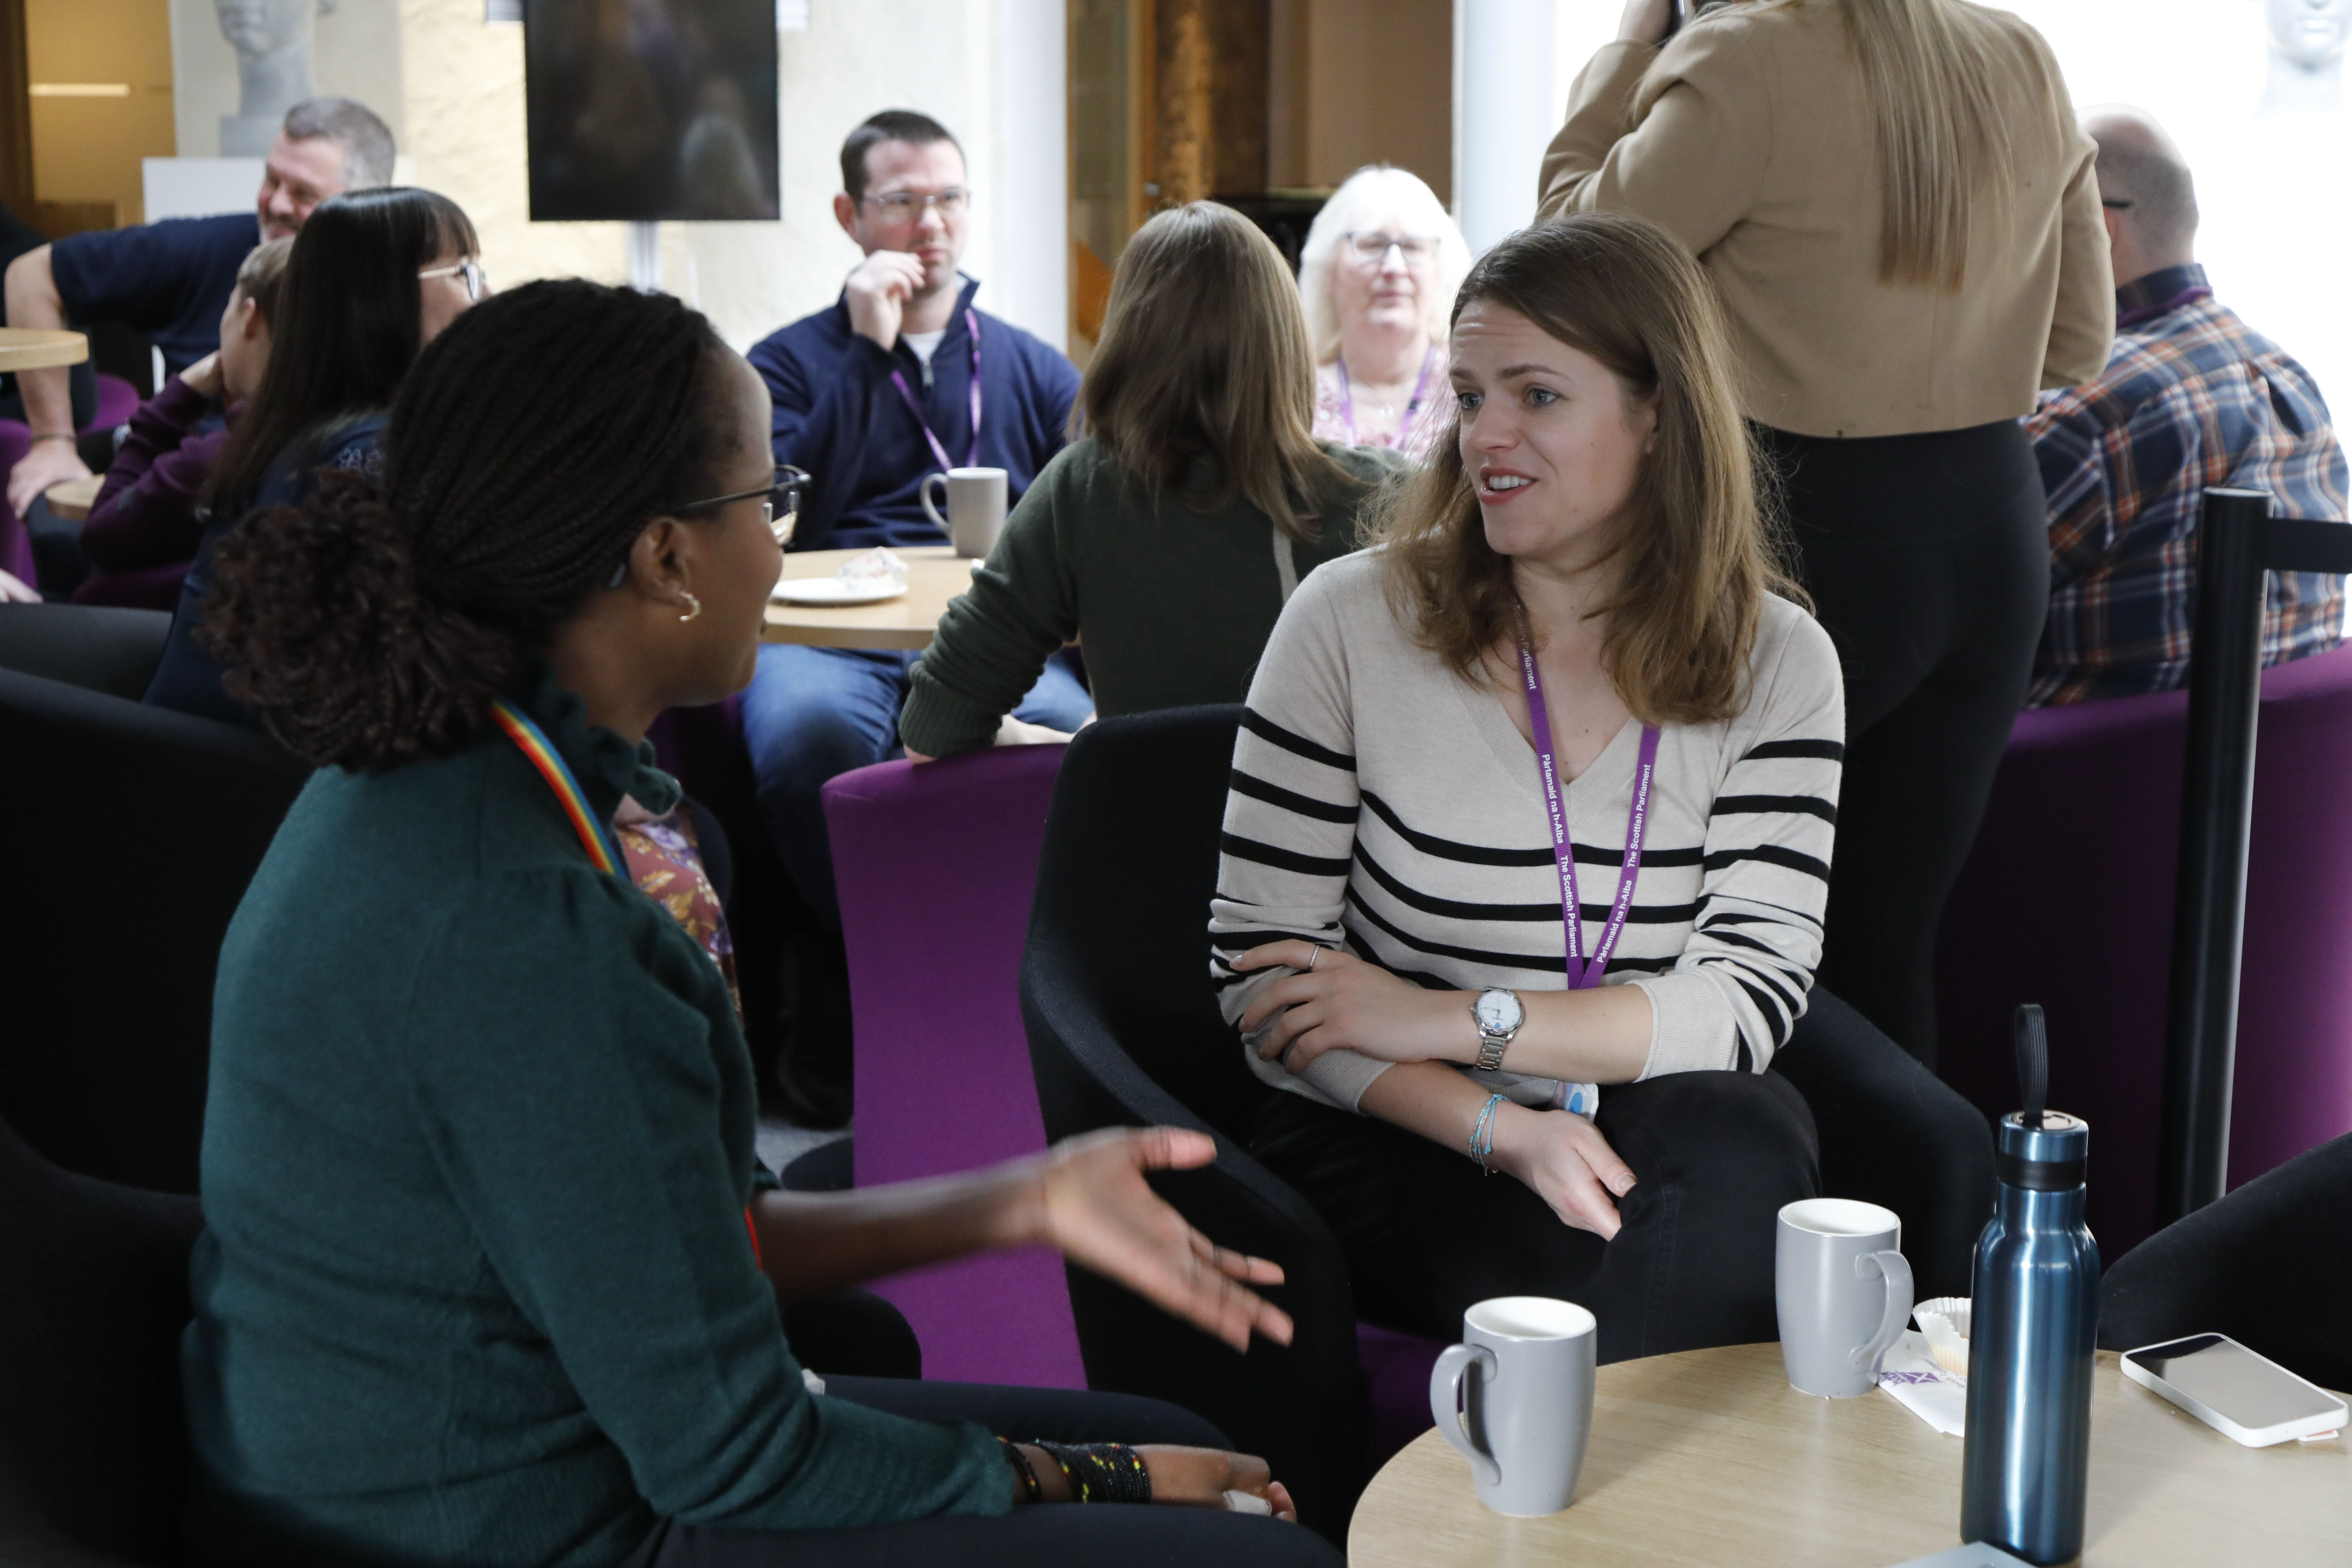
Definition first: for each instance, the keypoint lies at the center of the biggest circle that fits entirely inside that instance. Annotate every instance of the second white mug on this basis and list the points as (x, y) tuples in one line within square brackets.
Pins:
[(1516, 1397), (976, 502)]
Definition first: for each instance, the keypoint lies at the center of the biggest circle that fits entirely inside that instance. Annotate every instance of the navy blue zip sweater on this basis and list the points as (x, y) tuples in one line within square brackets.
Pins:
[(837, 415)]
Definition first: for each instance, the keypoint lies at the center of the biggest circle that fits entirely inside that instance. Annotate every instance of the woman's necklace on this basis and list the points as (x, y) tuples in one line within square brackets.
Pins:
[(1411, 406)]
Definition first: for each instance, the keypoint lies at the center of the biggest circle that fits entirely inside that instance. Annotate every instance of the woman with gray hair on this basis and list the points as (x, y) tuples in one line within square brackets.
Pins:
[(1378, 274)]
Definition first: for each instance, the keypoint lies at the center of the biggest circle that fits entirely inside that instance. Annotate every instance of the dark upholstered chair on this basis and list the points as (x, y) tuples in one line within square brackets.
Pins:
[(2270, 1266), (1124, 1029), (93, 1297), (134, 832), (97, 648)]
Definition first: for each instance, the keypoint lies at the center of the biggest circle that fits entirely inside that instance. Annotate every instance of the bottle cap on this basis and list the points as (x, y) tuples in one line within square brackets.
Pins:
[(2043, 1151)]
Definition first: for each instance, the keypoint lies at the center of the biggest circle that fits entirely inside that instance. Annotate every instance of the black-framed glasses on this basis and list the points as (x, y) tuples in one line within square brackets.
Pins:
[(784, 508), (2118, 204), (477, 282), (784, 491)]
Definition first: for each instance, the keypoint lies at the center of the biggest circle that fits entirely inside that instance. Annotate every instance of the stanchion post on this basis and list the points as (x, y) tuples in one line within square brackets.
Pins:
[(2209, 914)]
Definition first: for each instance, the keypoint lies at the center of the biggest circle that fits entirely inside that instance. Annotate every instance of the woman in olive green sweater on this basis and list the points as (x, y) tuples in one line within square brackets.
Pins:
[(491, 1274), (1168, 538)]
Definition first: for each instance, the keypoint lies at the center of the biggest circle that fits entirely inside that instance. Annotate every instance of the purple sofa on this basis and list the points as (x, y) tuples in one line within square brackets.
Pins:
[(2067, 901), (935, 863)]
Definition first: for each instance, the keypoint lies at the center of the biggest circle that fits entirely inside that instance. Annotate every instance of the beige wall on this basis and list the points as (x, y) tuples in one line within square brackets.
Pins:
[(452, 86), (1361, 81)]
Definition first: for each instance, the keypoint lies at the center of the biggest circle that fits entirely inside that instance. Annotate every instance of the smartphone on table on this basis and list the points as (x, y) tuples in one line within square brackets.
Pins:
[(2246, 1397)]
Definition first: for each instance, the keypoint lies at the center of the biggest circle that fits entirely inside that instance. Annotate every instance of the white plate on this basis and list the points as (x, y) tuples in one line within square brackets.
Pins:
[(833, 591)]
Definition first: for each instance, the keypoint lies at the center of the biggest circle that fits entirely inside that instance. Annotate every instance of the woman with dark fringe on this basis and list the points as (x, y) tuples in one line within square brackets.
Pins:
[(373, 277)]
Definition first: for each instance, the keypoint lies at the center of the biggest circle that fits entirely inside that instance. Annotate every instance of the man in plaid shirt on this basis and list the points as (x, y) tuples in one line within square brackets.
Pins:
[(2191, 397)]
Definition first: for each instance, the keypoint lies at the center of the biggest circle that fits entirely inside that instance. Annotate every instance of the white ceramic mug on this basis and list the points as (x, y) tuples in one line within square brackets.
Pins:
[(975, 508), (1516, 1397), (1844, 1292)]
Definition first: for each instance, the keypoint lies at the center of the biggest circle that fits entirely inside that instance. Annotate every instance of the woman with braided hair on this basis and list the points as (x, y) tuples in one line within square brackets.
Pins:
[(483, 1278), (373, 277)]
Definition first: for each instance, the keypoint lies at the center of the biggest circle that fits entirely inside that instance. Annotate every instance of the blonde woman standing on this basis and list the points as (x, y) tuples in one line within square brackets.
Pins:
[(1378, 274), (1900, 215), (1171, 531)]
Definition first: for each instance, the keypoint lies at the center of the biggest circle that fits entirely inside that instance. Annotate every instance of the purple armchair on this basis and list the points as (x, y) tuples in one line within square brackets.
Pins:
[(2067, 901), (936, 865)]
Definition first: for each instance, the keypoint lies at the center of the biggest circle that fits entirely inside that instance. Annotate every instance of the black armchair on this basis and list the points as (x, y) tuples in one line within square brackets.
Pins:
[(1123, 1031), (93, 1298), (134, 832)]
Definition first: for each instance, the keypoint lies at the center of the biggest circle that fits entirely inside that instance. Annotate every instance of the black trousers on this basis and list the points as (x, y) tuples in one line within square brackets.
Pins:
[(1426, 1233), (1928, 560), (1095, 1536)]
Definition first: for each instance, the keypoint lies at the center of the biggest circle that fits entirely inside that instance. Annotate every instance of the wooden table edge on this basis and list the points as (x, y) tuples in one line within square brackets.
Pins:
[(40, 348)]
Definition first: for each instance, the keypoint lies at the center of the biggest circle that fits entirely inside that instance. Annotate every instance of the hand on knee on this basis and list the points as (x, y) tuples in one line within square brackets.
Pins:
[(1566, 1162)]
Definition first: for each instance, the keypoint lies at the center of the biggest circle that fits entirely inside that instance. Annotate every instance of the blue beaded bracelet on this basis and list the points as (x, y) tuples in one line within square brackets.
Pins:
[(1481, 1136)]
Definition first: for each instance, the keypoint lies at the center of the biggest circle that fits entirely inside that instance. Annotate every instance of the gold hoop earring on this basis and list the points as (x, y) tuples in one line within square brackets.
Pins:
[(696, 602)]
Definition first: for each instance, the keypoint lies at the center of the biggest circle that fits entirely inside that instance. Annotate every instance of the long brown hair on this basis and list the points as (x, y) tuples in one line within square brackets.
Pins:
[(1698, 553), (1204, 354)]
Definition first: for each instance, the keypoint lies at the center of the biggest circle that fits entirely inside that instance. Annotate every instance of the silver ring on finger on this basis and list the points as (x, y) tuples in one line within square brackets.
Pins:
[(1313, 953)]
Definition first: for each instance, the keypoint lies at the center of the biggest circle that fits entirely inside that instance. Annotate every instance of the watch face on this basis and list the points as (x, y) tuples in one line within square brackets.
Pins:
[(1498, 1012)]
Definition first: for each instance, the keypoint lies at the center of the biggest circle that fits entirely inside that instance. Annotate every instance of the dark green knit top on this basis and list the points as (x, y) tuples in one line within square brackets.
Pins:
[(1173, 599), (476, 1287)]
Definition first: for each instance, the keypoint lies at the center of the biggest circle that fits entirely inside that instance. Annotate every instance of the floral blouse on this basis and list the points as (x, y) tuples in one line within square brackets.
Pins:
[(1418, 428)]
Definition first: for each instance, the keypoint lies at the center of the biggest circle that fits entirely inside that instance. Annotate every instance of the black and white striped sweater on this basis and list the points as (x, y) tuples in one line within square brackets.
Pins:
[(1381, 803)]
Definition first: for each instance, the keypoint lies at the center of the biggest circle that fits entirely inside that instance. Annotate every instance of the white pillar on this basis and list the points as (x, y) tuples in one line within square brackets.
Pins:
[(1031, 285), (1506, 108)]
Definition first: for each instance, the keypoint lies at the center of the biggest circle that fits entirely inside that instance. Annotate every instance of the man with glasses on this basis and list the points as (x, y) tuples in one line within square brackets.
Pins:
[(901, 378), (170, 280), (2191, 397)]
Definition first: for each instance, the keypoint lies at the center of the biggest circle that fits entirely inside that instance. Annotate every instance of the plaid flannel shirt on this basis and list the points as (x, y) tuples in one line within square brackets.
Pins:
[(2191, 397)]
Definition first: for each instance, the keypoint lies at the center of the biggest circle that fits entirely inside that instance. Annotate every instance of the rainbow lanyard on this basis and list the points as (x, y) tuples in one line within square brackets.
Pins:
[(532, 741), (534, 744)]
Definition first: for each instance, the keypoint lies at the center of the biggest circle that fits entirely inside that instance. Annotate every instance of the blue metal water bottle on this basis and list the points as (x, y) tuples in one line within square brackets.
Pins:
[(2032, 1333)]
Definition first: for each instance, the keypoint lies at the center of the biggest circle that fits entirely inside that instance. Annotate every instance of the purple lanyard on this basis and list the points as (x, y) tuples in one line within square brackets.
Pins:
[(898, 380), (1411, 406), (1581, 973)]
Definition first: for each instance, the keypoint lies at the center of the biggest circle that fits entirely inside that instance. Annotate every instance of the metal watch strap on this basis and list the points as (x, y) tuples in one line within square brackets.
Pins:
[(1492, 1046)]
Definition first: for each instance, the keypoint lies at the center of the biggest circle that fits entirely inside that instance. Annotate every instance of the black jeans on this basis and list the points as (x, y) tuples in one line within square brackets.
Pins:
[(1099, 1535), (1928, 560), (1426, 1233)]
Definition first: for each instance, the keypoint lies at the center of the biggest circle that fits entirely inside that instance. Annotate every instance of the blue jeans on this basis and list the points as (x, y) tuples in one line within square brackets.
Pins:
[(813, 712)]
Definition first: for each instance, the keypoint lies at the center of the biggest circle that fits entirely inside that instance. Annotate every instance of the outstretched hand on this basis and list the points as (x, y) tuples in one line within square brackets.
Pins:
[(1100, 1212)]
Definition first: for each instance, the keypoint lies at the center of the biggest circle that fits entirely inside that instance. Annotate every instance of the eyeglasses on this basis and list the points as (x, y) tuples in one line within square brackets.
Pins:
[(903, 204), (1373, 246), (477, 282), (2116, 204), (783, 491), (785, 487)]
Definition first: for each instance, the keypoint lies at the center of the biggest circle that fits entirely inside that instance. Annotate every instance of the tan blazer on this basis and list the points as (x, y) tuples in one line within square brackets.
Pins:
[(1749, 138)]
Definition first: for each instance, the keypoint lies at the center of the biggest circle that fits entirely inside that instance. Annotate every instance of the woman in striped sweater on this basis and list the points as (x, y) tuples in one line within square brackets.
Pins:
[(1572, 675)]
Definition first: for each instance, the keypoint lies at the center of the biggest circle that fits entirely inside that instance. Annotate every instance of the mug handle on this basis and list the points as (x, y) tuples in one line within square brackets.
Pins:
[(925, 494), (1895, 1269), (1445, 1403)]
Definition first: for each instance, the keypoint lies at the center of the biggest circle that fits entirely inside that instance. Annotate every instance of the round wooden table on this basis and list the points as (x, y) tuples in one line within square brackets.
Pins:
[(32, 348), (1709, 1457), (935, 575), (72, 499)]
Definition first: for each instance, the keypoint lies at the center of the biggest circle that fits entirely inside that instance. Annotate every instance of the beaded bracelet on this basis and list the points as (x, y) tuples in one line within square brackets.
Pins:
[(1481, 1136), (1101, 1472), (1030, 1489)]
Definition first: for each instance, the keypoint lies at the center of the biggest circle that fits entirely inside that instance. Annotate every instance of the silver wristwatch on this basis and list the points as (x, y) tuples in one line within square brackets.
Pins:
[(1499, 1014)]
